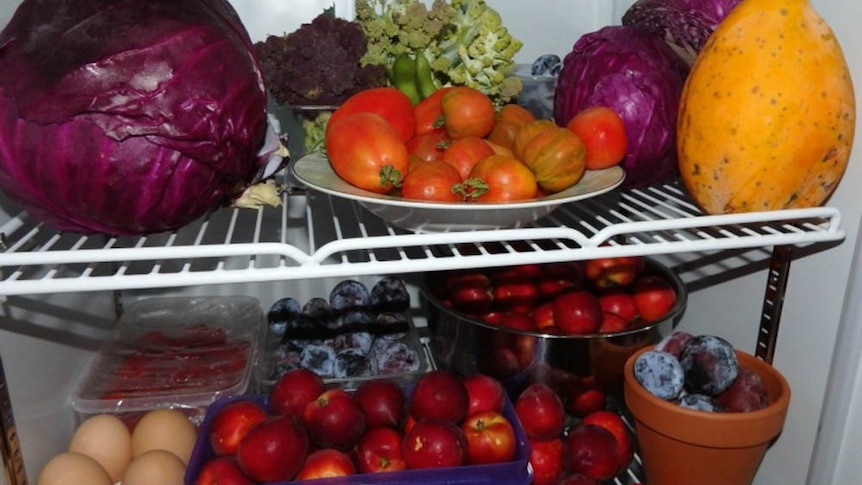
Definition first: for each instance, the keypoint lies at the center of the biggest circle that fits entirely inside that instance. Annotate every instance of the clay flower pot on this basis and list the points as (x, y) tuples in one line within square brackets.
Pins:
[(679, 445)]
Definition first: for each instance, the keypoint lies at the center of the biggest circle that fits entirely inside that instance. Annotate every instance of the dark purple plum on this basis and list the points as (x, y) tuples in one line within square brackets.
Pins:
[(673, 343), (700, 402), (352, 363), (317, 307), (660, 374), (393, 357), (709, 363), (390, 295), (356, 317), (318, 358), (747, 393), (349, 294), (391, 325), (300, 330), (352, 340), (280, 312)]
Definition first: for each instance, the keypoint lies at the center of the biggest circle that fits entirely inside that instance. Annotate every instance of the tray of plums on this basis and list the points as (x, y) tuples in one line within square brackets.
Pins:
[(355, 333)]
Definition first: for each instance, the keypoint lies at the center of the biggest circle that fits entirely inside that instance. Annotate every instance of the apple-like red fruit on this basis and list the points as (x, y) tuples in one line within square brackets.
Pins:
[(654, 297), (490, 438), (543, 315), (518, 321), (439, 394), (578, 313), (294, 390), (541, 411), (613, 323), (546, 458), (274, 450), (484, 393), (334, 420), (620, 302), (326, 463), (611, 272), (434, 443), (583, 400), (222, 470), (591, 450), (612, 422), (469, 291), (379, 450), (231, 423), (515, 296), (382, 402), (577, 479)]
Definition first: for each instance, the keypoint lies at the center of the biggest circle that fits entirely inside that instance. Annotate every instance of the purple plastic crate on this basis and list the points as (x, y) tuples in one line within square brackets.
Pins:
[(515, 472)]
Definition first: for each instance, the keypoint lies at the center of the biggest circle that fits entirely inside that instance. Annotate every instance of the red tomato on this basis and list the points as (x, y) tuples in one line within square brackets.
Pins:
[(490, 438), (388, 102), (429, 112), (366, 152), (432, 180), (428, 146), (500, 179), (466, 152), (467, 112), (603, 132)]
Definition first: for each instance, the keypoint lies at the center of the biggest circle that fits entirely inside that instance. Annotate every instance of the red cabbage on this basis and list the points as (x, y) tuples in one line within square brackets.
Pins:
[(683, 24), (638, 76), (127, 116)]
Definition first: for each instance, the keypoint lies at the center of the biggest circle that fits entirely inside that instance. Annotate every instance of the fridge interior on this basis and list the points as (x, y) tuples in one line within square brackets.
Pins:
[(55, 315)]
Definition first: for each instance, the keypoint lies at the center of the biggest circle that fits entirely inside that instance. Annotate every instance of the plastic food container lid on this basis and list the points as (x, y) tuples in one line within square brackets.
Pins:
[(180, 352)]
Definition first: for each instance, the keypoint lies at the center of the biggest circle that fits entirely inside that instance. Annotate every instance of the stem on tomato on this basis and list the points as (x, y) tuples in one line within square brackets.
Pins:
[(390, 175), (472, 188)]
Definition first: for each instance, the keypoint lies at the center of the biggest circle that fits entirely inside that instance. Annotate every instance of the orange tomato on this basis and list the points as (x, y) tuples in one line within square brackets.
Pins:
[(388, 102), (509, 119), (464, 153), (367, 152), (467, 112), (429, 112), (433, 180), (499, 179), (604, 134)]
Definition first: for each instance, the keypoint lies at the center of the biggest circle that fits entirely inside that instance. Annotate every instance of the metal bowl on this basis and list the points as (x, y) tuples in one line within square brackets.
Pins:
[(465, 345)]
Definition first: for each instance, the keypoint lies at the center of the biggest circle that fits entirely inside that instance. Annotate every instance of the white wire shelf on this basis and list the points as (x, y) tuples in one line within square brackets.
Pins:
[(315, 235)]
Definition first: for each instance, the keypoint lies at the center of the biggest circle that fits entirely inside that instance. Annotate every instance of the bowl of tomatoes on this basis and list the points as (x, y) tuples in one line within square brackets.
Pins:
[(570, 325), (315, 171)]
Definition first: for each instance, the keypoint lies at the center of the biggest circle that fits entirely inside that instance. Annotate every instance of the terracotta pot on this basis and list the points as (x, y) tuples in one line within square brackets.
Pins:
[(679, 445)]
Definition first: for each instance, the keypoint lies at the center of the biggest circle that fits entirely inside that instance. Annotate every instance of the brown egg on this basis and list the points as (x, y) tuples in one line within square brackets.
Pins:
[(72, 468), (105, 438), (155, 467), (164, 429)]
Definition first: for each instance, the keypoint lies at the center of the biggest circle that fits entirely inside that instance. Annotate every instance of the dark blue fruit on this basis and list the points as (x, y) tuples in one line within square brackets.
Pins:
[(390, 295), (543, 64), (393, 357), (352, 363), (280, 312), (709, 363), (660, 374), (348, 294), (318, 358), (700, 402), (392, 326)]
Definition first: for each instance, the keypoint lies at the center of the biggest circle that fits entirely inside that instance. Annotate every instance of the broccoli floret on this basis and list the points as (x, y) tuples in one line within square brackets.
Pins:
[(478, 51), (319, 63), (396, 26)]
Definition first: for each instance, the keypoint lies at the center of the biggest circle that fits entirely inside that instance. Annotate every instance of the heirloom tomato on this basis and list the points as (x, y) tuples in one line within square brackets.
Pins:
[(509, 119), (432, 180), (428, 146), (466, 152), (499, 179), (367, 152), (387, 102), (604, 135), (429, 112), (467, 112)]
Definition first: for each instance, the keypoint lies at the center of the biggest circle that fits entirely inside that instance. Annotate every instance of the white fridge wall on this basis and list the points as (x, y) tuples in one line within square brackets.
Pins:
[(43, 344)]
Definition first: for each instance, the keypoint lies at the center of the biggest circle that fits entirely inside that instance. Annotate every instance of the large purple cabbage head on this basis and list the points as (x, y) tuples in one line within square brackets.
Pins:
[(638, 76), (127, 116)]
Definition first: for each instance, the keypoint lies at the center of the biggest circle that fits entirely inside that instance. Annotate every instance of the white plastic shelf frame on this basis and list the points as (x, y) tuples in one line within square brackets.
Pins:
[(314, 235)]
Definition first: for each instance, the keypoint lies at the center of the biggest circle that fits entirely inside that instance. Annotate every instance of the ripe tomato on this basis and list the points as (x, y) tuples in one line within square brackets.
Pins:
[(429, 112), (366, 152), (467, 112), (510, 118), (466, 152), (428, 146), (388, 102), (603, 132), (432, 180), (500, 179)]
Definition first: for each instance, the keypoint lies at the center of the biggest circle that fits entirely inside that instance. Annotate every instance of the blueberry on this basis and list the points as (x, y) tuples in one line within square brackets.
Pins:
[(543, 64), (390, 295), (709, 363), (348, 294), (660, 374), (700, 402), (318, 358), (352, 363)]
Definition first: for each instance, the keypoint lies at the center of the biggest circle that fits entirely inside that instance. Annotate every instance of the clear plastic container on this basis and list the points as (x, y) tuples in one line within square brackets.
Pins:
[(175, 352)]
